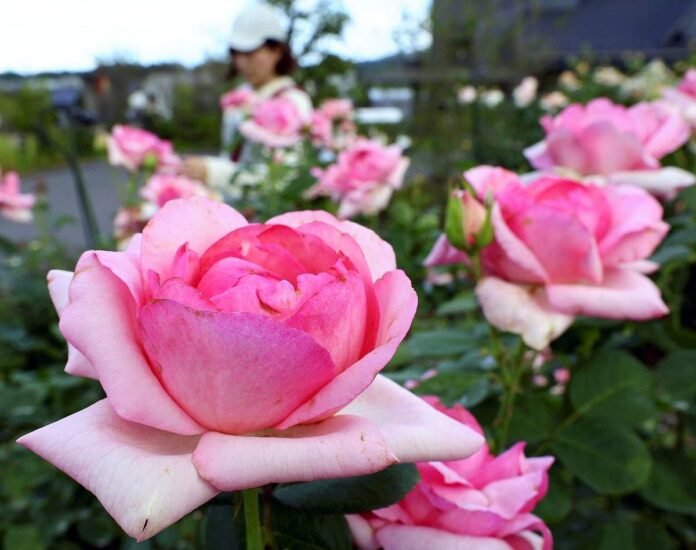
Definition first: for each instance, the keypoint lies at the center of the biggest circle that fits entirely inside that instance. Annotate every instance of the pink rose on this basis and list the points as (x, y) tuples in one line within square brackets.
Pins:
[(235, 355), (363, 178), (335, 109), (619, 144), (161, 188), (237, 98), (131, 147), (564, 248), (483, 502), (14, 205), (321, 129), (683, 97), (276, 122)]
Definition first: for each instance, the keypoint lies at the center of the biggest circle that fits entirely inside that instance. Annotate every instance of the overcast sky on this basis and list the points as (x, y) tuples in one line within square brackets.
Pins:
[(43, 35)]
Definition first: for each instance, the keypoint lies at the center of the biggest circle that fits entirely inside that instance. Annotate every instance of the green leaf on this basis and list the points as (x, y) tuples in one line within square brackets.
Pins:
[(617, 535), (22, 537), (615, 387), (350, 495), (463, 303), (558, 502), (533, 420), (648, 534), (466, 388), (676, 376), (672, 485), (673, 253), (295, 529), (439, 343), (610, 459), (97, 531)]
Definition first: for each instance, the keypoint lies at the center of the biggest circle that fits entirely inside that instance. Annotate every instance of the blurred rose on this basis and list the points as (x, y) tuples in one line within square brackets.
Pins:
[(276, 122), (235, 355), (569, 80), (683, 97), (363, 177), (161, 188), (483, 502), (492, 98), (525, 93), (466, 95), (564, 248), (237, 98), (14, 205), (618, 144), (335, 109), (608, 76), (553, 101), (132, 147)]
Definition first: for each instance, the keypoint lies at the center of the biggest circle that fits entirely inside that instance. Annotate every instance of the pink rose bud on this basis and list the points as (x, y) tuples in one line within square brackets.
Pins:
[(562, 375), (14, 205), (234, 355)]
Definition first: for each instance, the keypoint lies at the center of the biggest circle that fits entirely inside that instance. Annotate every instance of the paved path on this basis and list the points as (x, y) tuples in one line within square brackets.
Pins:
[(102, 182)]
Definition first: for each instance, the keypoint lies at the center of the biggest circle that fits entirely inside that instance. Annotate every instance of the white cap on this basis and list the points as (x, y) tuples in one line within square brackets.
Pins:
[(256, 24)]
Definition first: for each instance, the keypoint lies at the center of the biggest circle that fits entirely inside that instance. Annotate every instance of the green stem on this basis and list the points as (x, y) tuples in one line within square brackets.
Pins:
[(254, 537), (512, 375)]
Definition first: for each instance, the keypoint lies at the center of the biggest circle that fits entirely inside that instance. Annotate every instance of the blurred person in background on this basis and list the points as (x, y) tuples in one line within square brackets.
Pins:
[(261, 56)]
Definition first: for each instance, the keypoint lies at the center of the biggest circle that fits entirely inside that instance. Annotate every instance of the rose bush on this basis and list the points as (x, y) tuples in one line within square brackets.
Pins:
[(235, 355), (563, 248), (483, 502), (131, 147), (615, 144), (363, 178)]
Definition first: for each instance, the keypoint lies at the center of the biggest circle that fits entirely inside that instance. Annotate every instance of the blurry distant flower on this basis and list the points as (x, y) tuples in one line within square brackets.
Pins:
[(14, 205), (569, 80), (466, 95), (650, 82), (276, 122), (133, 147), (332, 125), (363, 178), (616, 143), (553, 101), (492, 98), (683, 97), (237, 98), (525, 92), (608, 76), (161, 188)]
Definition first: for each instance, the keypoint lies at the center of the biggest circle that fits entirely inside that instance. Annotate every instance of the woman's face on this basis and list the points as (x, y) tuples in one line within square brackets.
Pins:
[(257, 67)]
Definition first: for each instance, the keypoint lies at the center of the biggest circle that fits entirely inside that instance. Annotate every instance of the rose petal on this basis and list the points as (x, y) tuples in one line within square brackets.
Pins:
[(232, 372), (624, 294), (664, 182), (339, 446), (397, 306), (197, 221), (378, 253), (100, 323), (521, 310), (412, 537), (443, 253), (145, 478), (413, 429)]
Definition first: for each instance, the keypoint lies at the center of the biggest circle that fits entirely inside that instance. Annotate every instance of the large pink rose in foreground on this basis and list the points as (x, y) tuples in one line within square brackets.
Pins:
[(363, 178), (276, 122), (483, 502), (615, 144), (563, 248), (235, 355), (14, 204), (131, 147)]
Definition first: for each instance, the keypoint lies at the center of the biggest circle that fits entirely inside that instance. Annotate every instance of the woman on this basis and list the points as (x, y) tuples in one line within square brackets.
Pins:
[(262, 57)]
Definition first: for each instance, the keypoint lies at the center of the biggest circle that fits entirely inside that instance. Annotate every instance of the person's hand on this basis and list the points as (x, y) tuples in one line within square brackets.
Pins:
[(194, 168)]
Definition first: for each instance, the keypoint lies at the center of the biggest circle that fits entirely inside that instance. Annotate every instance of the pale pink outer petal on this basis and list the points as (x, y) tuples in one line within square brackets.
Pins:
[(117, 157), (397, 306), (522, 310), (538, 156), (254, 132), (663, 182), (100, 323), (412, 429), (198, 221), (378, 253), (624, 294), (58, 283), (414, 537), (443, 253), (143, 477), (362, 532), (340, 446)]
